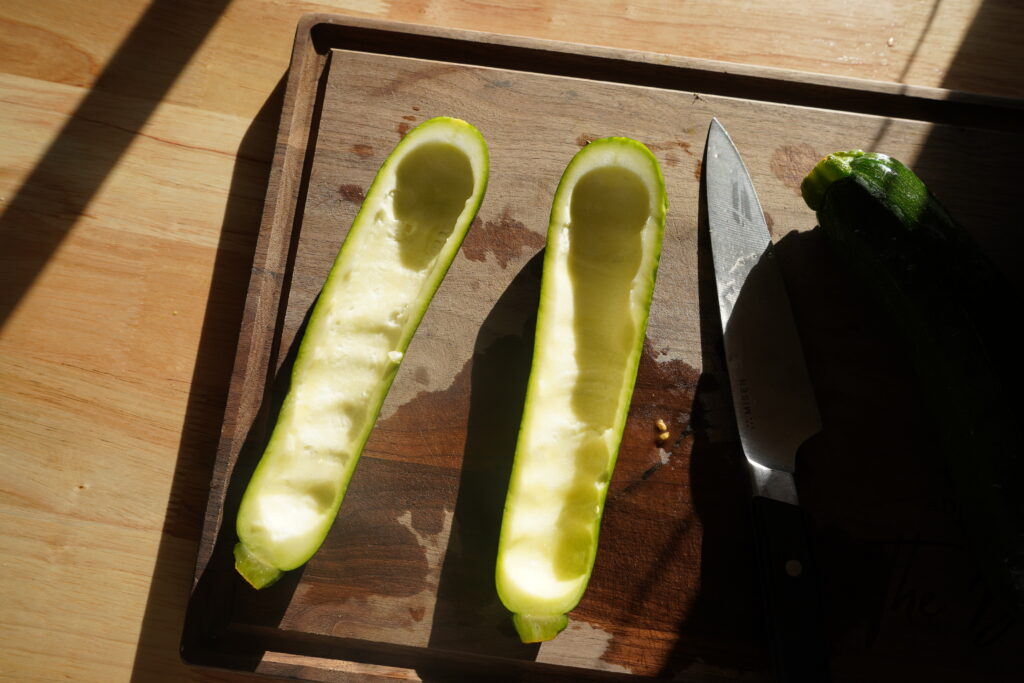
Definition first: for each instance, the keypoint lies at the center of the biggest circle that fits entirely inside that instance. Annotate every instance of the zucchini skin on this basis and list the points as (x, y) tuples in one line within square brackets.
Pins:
[(950, 304)]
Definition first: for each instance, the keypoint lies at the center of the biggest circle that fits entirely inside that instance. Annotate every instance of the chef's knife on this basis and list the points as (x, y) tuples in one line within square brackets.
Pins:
[(774, 403)]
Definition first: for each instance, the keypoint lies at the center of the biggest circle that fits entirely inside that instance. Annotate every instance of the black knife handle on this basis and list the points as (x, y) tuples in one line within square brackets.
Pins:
[(792, 592)]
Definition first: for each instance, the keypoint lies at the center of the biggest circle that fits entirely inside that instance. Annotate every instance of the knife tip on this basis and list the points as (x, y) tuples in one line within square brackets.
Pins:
[(715, 125)]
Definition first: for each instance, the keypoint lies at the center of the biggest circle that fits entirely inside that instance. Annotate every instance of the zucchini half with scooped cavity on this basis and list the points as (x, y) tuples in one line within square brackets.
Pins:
[(601, 260), (401, 244)]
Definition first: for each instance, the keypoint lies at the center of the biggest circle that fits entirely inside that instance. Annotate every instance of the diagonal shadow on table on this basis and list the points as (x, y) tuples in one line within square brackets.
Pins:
[(60, 187), (157, 651)]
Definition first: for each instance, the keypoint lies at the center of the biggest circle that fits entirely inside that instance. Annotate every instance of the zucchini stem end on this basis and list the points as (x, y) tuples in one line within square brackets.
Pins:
[(255, 571), (533, 628), (827, 171)]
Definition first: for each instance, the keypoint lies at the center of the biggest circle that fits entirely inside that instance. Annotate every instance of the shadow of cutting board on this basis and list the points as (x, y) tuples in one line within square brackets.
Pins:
[(403, 586)]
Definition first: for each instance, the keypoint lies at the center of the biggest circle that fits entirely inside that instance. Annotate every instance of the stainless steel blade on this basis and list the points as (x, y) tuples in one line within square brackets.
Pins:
[(775, 406)]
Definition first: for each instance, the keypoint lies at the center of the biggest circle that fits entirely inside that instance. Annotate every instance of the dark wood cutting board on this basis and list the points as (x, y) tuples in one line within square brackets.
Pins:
[(403, 585)]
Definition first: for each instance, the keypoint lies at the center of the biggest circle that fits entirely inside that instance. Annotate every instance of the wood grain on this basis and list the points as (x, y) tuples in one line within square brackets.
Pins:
[(138, 138)]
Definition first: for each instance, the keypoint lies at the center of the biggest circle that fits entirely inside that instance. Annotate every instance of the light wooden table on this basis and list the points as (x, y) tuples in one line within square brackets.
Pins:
[(136, 140)]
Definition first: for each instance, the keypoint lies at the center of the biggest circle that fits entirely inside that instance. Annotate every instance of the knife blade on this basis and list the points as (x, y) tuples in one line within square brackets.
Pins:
[(774, 402)]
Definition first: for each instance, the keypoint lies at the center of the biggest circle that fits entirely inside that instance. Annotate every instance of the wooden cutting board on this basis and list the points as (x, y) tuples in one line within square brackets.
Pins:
[(403, 585)]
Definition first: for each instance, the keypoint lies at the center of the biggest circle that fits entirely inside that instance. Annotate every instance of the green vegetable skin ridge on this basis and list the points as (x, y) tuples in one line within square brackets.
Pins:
[(950, 304), (401, 244), (600, 264)]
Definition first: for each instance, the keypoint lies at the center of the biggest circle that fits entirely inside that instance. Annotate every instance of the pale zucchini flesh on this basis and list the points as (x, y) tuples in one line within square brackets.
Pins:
[(601, 260), (401, 244)]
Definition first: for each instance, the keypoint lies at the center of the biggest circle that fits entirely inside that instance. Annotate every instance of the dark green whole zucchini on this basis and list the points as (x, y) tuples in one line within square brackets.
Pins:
[(951, 304)]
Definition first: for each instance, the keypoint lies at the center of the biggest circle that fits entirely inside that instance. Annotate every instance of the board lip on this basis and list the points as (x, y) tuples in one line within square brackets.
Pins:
[(318, 33), (317, 26)]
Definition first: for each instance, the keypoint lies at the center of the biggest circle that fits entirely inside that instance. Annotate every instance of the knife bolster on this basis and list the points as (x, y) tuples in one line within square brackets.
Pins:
[(775, 484)]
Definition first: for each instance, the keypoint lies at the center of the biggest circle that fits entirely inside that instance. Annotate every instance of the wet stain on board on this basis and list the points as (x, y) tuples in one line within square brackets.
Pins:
[(670, 145), (504, 238), (790, 163), (650, 533), (584, 644), (361, 150), (380, 561), (428, 429), (369, 550), (664, 391), (469, 615), (402, 489), (681, 507), (414, 78), (352, 193)]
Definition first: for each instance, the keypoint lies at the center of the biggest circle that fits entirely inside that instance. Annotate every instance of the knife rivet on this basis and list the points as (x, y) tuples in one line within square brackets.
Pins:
[(794, 568)]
